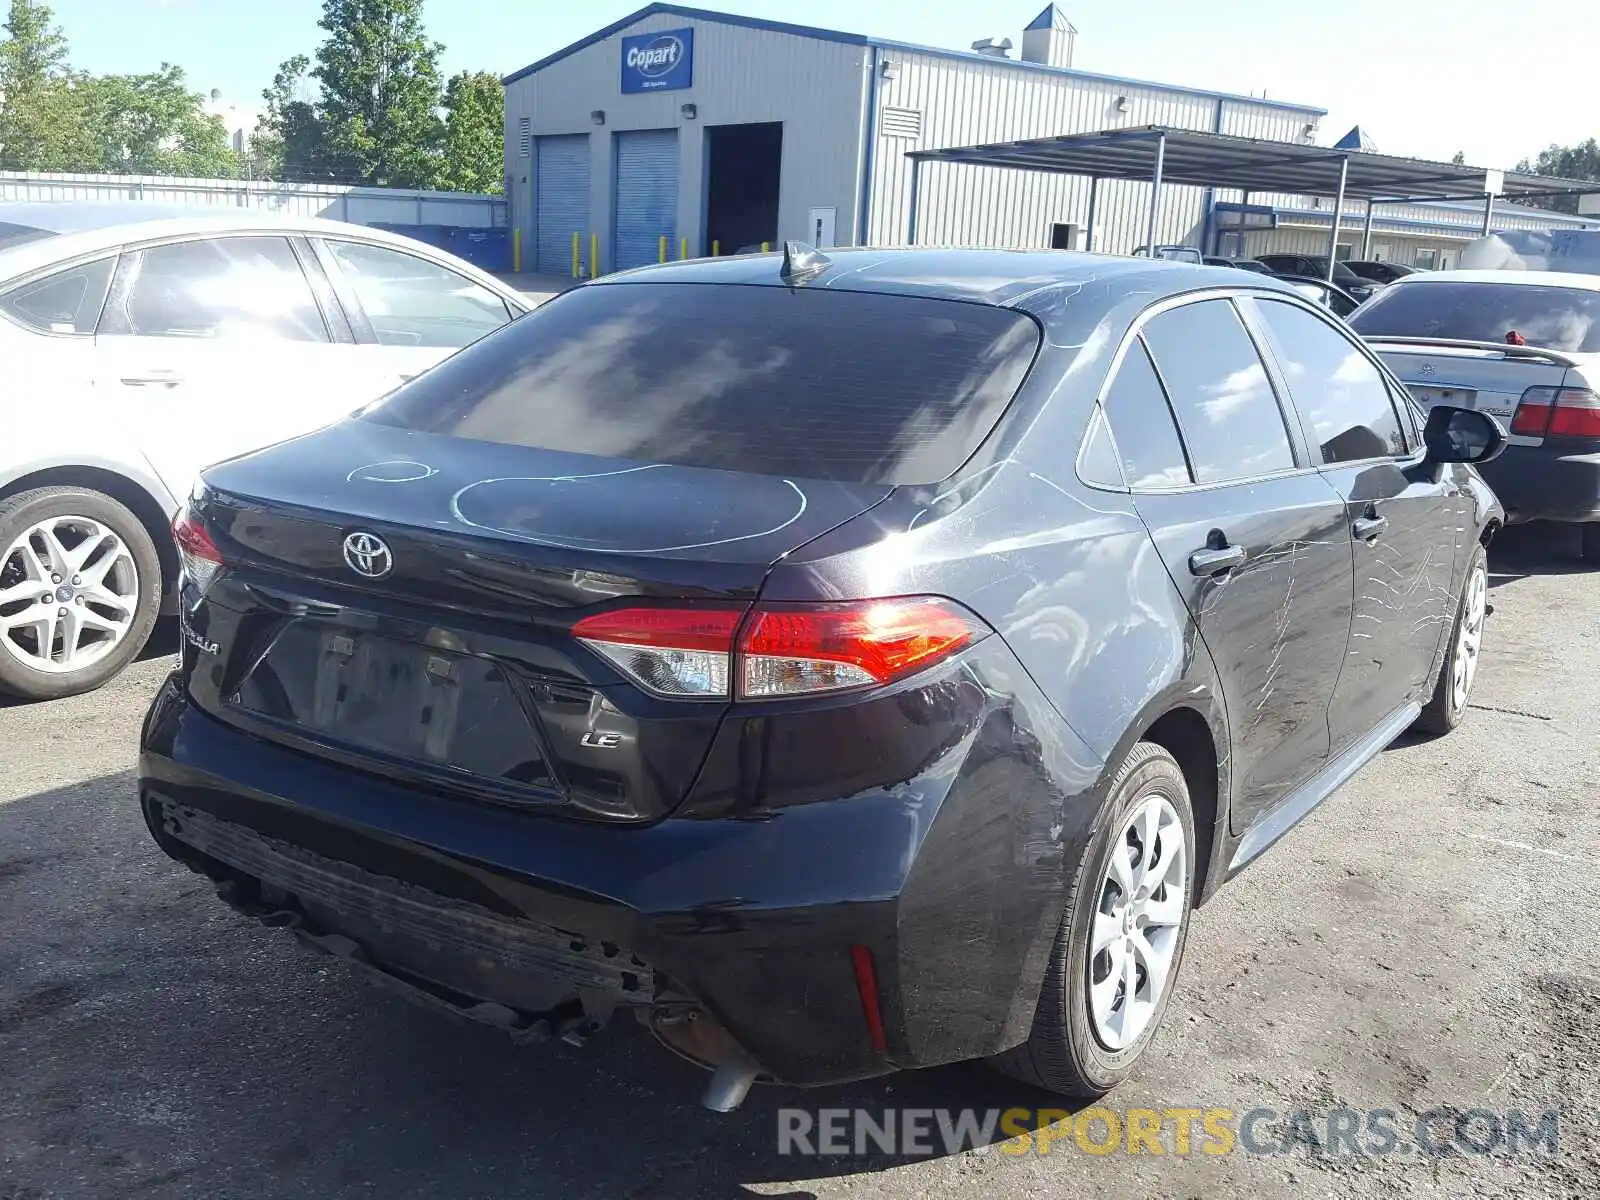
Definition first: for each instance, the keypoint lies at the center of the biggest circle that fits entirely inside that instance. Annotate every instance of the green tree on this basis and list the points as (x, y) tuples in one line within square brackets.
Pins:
[(288, 143), (1569, 162), (1459, 158), (154, 125), (379, 110), (474, 134), (38, 112)]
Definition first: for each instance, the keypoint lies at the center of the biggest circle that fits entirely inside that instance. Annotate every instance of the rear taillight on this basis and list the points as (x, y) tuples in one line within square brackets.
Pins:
[(784, 650), (201, 558), (1557, 412), (792, 650), (670, 651)]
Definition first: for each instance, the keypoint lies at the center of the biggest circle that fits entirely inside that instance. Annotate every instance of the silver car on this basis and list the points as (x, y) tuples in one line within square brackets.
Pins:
[(141, 343)]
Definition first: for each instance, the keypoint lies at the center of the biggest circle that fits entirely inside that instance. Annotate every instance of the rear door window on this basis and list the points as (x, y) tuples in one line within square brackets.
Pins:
[(851, 386), (1141, 423), (1551, 318), (1220, 393), (228, 288), (1342, 396), (67, 302)]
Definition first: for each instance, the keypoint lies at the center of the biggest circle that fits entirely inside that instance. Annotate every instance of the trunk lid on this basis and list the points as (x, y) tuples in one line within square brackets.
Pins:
[(451, 659), (1484, 376)]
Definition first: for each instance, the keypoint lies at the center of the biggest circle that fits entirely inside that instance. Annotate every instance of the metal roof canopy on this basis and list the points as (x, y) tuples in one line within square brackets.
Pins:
[(1161, 154)]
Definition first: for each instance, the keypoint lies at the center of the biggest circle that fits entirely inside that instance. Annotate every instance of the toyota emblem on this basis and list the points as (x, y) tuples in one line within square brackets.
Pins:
[(368, 555), (1425, 369)]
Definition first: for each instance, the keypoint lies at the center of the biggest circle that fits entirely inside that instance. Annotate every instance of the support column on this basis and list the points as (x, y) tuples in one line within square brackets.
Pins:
[(1338, 211), (1488, 213), (916, 189), (1155, 194), (1094, 205), (1366, 233)]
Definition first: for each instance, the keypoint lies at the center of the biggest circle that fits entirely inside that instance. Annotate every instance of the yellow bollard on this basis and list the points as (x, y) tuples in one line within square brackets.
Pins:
[(663, 247), (766, 247), (516, 250), (594, 256), (683, 248), (577, 255), (716, 249)]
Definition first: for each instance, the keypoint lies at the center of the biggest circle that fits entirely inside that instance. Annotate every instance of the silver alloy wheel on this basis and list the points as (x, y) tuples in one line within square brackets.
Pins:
[(69, 589), (1469, 641), (1137, 922)]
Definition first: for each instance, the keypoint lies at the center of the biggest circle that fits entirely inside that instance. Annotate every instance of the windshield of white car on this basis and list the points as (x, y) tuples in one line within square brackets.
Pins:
[(15, 235), (1551, 318)]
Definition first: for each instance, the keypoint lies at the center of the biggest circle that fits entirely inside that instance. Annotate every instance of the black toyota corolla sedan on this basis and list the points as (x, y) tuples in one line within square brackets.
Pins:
[(840, 663)]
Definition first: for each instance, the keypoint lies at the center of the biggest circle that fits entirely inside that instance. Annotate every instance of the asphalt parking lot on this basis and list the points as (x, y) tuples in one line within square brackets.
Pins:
[(1427, 938)]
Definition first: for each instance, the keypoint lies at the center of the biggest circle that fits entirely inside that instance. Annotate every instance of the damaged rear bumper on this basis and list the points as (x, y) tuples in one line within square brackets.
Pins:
[(548, 927)]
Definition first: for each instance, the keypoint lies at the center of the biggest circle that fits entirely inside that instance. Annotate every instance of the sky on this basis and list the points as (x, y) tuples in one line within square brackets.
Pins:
[(1427, 78)]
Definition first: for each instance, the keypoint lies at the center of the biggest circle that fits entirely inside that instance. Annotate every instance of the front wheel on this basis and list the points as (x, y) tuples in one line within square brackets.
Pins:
[(1118, 952), (1459, 671), (80, 589)]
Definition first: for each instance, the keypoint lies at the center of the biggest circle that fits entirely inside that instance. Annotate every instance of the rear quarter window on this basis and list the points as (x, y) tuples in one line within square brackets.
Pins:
[(851, 386)]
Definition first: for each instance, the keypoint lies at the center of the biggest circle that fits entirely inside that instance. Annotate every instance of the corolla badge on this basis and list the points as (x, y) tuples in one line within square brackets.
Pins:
[(656, 59), (368, 555)]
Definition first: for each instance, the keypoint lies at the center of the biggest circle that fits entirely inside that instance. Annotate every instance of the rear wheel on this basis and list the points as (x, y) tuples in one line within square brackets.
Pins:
[(1460, 668), (80, 589), (1590, 546), (1117, 955)]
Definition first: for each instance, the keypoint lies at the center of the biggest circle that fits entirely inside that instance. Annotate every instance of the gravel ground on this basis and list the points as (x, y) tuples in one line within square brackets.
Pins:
[(1428, 937)]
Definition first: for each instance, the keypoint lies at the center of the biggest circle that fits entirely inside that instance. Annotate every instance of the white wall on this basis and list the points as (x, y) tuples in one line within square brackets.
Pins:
[(362, 206), (970, 102), (741, 76)]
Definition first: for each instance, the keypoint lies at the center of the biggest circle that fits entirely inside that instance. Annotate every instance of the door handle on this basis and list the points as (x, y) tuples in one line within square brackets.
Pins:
[(1216, 560), (1369, 529), (153, 379)]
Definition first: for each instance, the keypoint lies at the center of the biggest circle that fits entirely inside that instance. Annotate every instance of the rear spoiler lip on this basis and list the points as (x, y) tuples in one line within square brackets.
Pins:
[(1506, 350)]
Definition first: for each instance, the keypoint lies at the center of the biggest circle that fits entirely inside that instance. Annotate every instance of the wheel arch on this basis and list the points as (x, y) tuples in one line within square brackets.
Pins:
[(152, 508), (1189, 720)]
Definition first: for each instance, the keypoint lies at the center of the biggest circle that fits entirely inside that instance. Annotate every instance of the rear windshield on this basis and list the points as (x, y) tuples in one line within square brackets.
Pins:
[(850, 386), (1551, 318), (14, 235)]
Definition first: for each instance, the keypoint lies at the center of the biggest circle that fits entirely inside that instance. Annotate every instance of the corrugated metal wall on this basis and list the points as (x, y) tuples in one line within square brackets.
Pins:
[(741, 75), (362, 206), (968, 102)]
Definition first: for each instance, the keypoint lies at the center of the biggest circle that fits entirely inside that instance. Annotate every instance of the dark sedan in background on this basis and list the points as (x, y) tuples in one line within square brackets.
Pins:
[(839, 663), (1316, 267)]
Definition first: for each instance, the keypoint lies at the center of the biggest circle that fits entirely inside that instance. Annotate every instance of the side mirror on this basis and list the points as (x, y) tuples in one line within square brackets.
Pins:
[(1462, 435)]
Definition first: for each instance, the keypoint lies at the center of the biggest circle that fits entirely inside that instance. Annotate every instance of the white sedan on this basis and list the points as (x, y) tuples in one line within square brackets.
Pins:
[(140, 343)]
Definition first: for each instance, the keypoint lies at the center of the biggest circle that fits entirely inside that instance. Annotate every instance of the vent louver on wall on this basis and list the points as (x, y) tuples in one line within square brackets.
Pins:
[(901, 122)]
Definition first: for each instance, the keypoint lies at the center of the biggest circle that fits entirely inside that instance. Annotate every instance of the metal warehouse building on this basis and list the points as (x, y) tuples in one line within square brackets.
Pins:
[(678, 132), (717, 131)]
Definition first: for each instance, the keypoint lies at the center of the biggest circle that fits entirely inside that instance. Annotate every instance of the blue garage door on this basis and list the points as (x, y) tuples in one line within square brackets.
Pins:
[(561, 202), (647, 196)]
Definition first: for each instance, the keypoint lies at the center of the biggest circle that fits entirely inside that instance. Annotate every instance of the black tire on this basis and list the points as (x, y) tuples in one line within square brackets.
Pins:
[(21, 512), (1443, 713), (1062, 1054), (1589, 544)]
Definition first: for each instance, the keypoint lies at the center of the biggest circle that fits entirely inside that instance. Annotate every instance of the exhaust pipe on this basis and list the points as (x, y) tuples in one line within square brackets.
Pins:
[(730, 1084), (698, 1037)]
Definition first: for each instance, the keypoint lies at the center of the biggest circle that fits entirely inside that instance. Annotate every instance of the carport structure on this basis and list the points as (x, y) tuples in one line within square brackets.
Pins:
[(1164, 155)]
